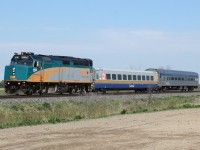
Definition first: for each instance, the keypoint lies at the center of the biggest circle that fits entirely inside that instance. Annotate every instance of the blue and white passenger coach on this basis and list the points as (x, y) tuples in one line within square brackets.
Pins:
[(125, 80)]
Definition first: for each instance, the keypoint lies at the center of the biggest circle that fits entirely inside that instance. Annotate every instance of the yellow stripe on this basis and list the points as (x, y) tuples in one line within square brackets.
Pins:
[(44, 75)]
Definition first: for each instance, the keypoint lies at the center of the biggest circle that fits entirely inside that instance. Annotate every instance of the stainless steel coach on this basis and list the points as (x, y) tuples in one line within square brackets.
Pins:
[(176, 80)]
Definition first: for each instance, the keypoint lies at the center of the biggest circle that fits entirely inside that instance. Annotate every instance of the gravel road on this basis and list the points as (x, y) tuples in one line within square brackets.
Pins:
[(171, 130)]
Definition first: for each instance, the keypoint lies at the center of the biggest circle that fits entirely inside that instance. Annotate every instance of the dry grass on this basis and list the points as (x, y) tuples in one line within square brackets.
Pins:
[(32, 114)]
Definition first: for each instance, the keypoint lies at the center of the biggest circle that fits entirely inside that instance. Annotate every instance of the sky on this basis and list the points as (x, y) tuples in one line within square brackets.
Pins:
[(115, 34)]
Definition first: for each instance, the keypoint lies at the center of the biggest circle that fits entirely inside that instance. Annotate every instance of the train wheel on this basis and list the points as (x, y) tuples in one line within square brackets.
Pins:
[(30, 92), (40, 92)]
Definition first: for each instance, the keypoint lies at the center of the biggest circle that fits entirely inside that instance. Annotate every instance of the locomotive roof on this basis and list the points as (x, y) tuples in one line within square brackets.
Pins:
[(57, 58), (52, 57)]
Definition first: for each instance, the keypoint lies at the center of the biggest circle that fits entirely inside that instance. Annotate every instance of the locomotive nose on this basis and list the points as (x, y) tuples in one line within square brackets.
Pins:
[(10, 73), (15, 73)]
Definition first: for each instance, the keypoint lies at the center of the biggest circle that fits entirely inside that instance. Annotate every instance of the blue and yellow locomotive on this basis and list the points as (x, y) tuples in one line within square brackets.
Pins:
[(29, 73)]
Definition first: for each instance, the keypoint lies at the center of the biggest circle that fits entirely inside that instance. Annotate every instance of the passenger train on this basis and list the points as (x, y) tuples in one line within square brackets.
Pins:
[(30, 73)]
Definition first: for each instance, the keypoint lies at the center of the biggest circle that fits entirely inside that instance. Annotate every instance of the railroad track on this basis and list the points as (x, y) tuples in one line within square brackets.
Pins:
[(12, 100), (89, 94)]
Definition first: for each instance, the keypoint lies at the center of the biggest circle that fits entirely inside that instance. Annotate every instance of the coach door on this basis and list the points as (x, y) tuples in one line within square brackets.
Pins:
[(156, 78)]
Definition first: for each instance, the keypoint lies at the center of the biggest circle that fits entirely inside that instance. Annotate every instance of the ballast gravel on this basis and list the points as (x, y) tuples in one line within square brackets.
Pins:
[(93, 97)]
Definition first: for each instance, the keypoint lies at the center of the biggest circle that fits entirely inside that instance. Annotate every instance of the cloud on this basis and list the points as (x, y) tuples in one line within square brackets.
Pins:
[(152, 40)]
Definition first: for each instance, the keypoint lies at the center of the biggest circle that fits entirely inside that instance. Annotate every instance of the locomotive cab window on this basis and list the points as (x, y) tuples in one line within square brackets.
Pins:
[(37, 64), (22, 60)]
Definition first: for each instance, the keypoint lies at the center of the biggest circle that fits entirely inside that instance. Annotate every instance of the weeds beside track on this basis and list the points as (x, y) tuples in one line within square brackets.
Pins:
[(56, 112)]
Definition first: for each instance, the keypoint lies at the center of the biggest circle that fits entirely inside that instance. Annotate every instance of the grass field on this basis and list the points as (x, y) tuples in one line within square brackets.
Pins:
[(2, 91), (33, 114)]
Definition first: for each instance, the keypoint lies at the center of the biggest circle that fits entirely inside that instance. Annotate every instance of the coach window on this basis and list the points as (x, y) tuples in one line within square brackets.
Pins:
[(124, 77), (134, 77), (119, 76), (114, 77), (163, 78), (143, 78), (147, 78), (139, 77), (97, 76), (152, 78), (108, 77), (129, 77)]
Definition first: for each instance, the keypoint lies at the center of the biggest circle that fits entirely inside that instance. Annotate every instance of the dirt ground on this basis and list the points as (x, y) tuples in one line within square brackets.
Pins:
[(171, 130)]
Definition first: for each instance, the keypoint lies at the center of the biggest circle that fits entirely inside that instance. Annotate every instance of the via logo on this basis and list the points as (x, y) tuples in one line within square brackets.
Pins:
[(131, 85)]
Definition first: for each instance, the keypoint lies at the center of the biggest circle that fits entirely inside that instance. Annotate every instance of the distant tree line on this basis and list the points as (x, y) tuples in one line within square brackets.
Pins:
[(2, 84)]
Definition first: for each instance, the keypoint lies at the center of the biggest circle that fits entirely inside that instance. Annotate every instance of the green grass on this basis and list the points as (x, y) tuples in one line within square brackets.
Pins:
[(2, 92), (34, 114)]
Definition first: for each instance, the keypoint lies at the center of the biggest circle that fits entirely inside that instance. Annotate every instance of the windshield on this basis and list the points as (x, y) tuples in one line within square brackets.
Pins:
[(22, 60)]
